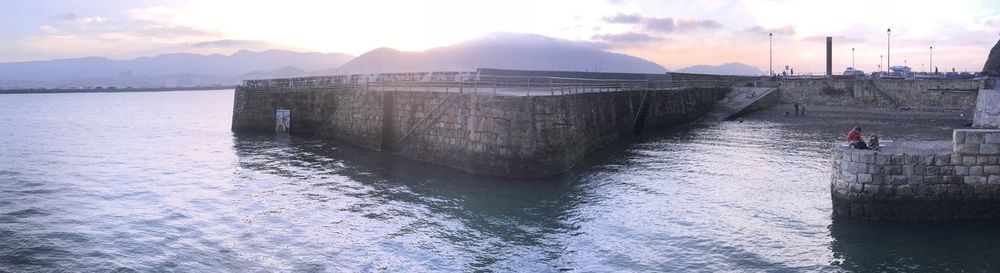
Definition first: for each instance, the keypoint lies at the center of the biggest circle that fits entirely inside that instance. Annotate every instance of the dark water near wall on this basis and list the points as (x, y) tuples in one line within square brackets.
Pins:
[(156, 182)]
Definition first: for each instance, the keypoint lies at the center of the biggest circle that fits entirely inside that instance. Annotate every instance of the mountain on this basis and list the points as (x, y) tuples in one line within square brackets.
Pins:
[(241, 62), (504, 51), (723, 69), (498, 50)]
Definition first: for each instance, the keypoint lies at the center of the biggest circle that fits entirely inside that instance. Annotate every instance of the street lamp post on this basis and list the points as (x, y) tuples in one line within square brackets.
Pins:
[(932, 58), (852, 57), (888, 48), (770, 54), (880, 57)]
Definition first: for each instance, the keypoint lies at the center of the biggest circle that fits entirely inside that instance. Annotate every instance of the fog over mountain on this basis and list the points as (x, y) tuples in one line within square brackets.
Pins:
[(175, 63), (738, 69), (499, 50), (502, 50)]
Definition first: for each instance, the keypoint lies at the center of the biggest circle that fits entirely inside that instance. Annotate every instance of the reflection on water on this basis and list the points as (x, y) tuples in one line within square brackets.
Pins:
[(155, 181)]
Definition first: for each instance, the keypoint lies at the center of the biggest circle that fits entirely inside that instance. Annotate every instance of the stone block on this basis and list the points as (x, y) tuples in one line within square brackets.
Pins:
[(994, 179), (883, 159), (946, 170), (956, 159), (991, 169), (878, 179), (897, 179), (864, 178), (912, 160), (915, 179), (932, 179), (850, 178), (961, 170), (989, 149), (942, 160), (969, 160), (898, 159), (857, 167), (907, 169), (975, 180), (992, 138), (976, 170), (982, 160), (892, 170), (926, 160), (958, 136), (952, 179), (874, 189), (874, 169), (868, 158), (966, 149), (973, 137), (855, 156)]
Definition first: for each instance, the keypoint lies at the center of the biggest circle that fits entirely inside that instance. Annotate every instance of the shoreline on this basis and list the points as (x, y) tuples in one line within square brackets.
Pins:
[(912, 124), (63, 91)]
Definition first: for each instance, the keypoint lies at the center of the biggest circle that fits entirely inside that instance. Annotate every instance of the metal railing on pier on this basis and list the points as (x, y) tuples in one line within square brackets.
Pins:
[(459, 82)]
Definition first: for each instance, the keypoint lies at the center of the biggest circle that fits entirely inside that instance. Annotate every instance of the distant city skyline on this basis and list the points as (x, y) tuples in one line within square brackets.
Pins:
[(675, 34)]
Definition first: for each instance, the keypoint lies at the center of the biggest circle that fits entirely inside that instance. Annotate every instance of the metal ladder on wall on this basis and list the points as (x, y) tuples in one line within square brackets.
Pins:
[(424, 118), (882, 95), (638, 112)]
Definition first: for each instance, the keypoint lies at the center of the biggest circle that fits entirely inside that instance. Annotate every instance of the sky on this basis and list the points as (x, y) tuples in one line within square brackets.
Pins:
[(674, 34)]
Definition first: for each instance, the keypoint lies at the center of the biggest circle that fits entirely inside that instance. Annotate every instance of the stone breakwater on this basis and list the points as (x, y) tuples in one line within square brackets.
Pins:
[(472, 127), (920, 180)]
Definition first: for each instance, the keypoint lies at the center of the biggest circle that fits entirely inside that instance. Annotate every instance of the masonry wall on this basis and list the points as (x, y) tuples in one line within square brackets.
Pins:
[(963, 184), (987, 113), (936, 93), (511, 136)]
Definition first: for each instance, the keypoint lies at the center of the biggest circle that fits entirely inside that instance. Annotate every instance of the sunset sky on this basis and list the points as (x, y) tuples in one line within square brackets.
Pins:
[(674, 34)]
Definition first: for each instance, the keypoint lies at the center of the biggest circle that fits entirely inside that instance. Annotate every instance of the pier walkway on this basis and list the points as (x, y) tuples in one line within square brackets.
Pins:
[(742, 99)]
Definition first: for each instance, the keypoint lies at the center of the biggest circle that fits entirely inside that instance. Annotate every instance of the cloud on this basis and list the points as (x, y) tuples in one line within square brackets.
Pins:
[(620, 40), (662, 24), (780, 31), (48, 29), (87, 22), (685, 24), (229, 43), (622, 18), (174, 32)]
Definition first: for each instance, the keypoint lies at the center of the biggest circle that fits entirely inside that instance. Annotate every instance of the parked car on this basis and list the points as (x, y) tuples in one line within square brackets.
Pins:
[(850, 71)]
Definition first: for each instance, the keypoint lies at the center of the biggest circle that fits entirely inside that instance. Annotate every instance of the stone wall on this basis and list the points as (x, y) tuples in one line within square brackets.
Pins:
[(924, 93), (913, 184), (512, 136), (987, 109)]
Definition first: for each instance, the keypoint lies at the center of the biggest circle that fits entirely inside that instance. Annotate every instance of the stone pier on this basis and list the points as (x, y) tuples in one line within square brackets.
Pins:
[(524, 124), (920, 180)]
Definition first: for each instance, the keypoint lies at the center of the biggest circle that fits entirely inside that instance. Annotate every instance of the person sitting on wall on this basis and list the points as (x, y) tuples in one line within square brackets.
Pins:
[(873, 142), (854, 139)]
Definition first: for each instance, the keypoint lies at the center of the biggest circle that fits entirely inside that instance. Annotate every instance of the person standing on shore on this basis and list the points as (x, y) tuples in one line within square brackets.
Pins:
[(796, 108)]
